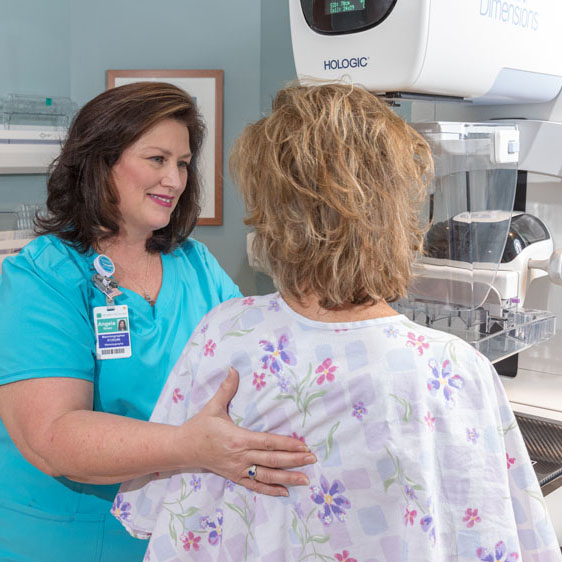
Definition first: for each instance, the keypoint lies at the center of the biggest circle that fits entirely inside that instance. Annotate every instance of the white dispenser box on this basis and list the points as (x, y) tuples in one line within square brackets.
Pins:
[(32, 130)]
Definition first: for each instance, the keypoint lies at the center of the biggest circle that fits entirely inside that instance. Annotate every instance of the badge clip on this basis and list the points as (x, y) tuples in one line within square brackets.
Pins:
[(108, 286), (103, 279)]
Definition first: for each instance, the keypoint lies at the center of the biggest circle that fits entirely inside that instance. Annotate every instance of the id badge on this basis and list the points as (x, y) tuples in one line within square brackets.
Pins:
[(113, 336)]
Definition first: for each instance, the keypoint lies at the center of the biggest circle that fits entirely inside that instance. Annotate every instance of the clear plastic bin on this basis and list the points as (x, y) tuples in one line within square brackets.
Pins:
[(496, 337), (36, 111)]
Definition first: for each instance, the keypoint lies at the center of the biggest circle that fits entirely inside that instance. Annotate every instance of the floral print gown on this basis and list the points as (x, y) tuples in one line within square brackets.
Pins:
[(419, 455)]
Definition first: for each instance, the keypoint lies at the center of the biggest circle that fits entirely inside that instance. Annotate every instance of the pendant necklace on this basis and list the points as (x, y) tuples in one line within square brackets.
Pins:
[(145, 294)]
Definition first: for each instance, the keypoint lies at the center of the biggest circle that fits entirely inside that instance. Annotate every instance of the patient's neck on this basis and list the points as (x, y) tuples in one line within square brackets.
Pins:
[(309, 307)]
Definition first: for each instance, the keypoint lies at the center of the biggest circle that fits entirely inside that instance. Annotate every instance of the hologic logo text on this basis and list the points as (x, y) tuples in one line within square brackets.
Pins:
[(340, 64), (510, 12)]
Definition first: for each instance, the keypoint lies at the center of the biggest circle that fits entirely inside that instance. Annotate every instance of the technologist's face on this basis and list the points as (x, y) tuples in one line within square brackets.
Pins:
[(150, 177)]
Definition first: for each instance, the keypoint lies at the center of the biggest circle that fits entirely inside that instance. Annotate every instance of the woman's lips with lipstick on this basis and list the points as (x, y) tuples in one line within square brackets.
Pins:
[(164, 200)]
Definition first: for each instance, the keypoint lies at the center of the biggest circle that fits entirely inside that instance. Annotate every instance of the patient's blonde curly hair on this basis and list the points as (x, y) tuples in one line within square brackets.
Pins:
[(333, 182)]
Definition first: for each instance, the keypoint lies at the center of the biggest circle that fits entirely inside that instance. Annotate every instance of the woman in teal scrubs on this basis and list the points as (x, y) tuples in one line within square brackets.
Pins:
[(76, 389)]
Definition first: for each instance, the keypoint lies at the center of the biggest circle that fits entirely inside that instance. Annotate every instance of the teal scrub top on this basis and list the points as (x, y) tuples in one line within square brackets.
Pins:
[(46, 330)]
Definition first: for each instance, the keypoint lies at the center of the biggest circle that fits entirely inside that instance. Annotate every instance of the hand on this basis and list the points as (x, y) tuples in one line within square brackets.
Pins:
[(228, 450)]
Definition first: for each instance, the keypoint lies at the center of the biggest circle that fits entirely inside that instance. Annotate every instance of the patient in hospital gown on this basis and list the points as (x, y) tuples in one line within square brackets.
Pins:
[(419, 454)]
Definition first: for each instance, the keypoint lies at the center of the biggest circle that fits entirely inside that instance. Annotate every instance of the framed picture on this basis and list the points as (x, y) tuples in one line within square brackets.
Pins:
[(206, 87)]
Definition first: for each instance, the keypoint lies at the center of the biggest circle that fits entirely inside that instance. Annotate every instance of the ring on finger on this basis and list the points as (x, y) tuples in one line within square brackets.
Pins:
[(252, 472)]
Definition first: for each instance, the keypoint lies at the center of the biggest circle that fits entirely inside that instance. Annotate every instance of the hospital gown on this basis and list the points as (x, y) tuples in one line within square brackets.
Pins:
[(419, 454)]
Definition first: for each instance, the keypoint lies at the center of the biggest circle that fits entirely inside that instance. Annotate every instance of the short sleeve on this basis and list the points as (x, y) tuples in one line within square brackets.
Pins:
[(225, 286), (45, 329)]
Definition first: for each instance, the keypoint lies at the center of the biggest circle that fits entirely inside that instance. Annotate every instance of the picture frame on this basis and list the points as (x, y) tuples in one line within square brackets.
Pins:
[(206, 87)]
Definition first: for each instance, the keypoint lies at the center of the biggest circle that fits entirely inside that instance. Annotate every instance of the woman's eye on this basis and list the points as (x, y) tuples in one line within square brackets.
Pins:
[(183, 164), (157, 159)]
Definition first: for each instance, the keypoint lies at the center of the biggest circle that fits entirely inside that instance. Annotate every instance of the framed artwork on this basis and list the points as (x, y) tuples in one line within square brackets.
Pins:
[(206, 87)]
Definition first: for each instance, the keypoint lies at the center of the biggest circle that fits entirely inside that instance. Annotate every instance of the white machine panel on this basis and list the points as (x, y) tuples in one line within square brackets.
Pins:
[(489, 51)]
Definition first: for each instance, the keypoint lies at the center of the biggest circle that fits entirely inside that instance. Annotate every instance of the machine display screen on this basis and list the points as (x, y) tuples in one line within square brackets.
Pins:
[(338, 17), (344, 6)]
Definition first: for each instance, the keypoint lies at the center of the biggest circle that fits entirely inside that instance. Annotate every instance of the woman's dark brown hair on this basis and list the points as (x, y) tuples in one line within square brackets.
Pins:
[(82, 202)]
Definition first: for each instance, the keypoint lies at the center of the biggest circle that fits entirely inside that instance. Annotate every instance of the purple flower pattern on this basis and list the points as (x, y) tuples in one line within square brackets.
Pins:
[(410, 492), (284, 385), (498, 554), (276, 355), (428, 526), (195, 483), (444, 379), (359, 410), (391, 332), (121, 509), (215, 534), (331, 500), (472, 435)]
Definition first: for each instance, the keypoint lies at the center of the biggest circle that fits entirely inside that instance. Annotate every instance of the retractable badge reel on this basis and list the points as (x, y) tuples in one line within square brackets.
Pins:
[(103, 279), (113, 336)]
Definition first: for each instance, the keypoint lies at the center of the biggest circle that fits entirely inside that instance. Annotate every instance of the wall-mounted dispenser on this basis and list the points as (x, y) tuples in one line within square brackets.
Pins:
[(32, 131)]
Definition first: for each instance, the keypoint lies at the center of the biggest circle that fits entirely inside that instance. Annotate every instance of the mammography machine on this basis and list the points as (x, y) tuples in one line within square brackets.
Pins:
[(479, 80)]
